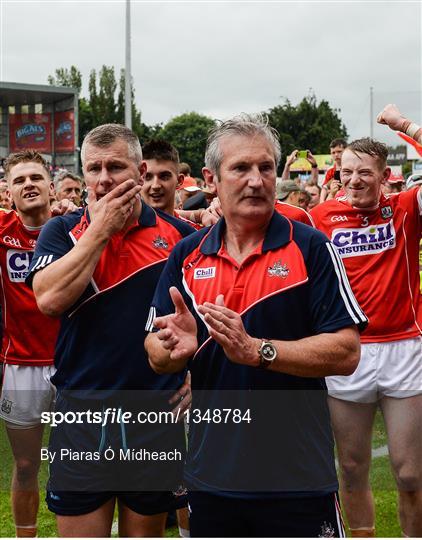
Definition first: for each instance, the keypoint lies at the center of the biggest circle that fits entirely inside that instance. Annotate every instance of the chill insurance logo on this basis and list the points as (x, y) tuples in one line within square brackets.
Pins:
[(18, 263), (373, 239)]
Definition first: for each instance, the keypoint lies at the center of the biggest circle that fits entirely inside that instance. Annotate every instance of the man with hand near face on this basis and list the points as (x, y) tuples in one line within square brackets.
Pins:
[(258, 307), (378, 240), (97, 269)]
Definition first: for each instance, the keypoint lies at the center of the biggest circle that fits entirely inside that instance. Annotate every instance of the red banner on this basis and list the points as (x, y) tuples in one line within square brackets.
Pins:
[(30, 131), (64, 131)]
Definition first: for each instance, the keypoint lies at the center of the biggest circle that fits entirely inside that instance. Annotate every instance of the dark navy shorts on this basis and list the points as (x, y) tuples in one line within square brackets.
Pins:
[(82, 479), (218, 516), (148, 503)]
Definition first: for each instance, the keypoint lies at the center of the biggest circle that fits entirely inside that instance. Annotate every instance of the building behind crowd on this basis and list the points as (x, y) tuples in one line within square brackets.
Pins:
[(42, 117)]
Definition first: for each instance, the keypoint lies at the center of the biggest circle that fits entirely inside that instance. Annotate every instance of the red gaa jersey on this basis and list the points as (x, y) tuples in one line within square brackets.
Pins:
[(329, 175), (294, 212), (380, 250), (28, 335)]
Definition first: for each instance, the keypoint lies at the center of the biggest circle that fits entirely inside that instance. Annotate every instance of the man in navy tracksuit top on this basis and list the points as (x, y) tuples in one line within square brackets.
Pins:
[(98, 269), (262, 312)]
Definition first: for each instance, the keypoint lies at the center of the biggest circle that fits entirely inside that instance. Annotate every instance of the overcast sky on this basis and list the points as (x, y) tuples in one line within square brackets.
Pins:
[(222, 58)]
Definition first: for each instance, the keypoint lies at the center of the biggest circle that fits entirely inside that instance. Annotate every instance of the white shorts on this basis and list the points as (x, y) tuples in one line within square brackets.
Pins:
[(26, 393), (392, 369)]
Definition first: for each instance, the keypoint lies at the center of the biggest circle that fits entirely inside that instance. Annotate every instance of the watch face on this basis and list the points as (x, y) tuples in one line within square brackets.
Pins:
[(268, 352)]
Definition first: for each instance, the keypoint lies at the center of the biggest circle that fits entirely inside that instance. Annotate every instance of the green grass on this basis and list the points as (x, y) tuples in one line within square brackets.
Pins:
[(386, 522), (381, 480), (46, 523), (379, 437), (384, 488)]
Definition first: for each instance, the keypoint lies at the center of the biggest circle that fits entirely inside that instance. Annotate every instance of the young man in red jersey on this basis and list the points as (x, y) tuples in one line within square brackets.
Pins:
[(337, 147), (28, 336), (378, 240)]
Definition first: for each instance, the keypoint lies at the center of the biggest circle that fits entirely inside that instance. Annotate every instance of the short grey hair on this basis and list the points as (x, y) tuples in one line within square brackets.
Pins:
[(247, 125), (58, 179), (107, 134)]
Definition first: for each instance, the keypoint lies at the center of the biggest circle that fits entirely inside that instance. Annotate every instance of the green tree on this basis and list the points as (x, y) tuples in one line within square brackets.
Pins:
[(72, 77), (188, 133), (308, 125), (93, 97), (101, 106), (102, 96), (146, 133), (86, 121), (66, 77), (143, 131)]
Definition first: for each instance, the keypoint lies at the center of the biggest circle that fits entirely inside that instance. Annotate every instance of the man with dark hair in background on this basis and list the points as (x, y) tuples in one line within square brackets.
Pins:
[(314, 193), (337, 147), (162, 176), (162, 180)]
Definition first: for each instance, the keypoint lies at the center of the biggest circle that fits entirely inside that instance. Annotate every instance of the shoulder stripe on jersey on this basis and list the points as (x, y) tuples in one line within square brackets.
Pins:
[(346, 283), (149, 327), (192, 297), (42, 262), (92, 281), (39, 262), (346, 292)]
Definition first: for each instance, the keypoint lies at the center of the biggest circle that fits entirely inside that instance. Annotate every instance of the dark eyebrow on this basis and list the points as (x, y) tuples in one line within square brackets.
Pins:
[(116, 161), (22, 177)]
